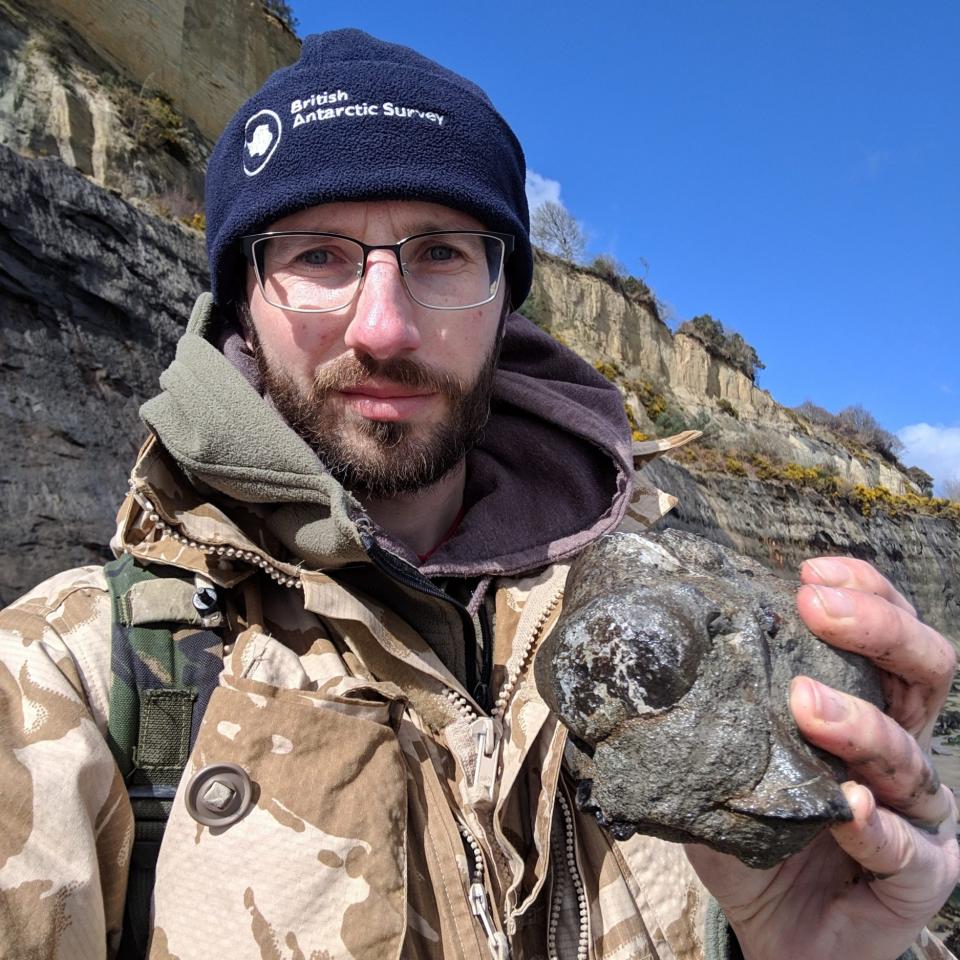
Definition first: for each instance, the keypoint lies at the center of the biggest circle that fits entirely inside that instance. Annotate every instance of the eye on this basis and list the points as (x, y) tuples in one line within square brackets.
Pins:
[(316, 257), (440, 252)]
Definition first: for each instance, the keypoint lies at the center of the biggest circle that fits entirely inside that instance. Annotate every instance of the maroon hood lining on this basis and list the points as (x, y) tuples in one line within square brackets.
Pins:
[(553, 471)]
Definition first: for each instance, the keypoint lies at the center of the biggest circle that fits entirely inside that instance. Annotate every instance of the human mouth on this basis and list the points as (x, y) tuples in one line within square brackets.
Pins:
[(386, 401)]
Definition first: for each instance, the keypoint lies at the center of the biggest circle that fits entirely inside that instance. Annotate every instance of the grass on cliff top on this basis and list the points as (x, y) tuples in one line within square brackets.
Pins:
[(867, 501)]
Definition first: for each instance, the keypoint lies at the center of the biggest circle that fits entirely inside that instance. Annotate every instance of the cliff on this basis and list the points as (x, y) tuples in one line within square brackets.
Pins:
[(655, 366), (781, 525), (133, 96), (94, 293), (93, 297), (207, 58)]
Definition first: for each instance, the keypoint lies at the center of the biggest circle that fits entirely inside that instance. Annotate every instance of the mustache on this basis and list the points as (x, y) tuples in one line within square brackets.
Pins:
[(354, 371)]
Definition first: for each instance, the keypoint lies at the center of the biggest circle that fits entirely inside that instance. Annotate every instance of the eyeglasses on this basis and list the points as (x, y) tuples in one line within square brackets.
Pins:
[(321, 272)]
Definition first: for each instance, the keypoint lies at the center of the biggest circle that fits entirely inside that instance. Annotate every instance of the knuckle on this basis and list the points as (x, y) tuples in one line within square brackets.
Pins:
[(895, 623), (924, 783), (954, 855), (950, 800), (869, 577), (949, 655)]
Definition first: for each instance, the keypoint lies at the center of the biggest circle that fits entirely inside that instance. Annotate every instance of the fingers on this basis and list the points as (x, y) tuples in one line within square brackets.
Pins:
[(874, 838), (853, 575), (911, 871), (878, 752), (881, 629)]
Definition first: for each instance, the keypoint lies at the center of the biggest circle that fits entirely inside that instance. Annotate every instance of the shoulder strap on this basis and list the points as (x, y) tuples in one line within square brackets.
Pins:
[(165, 660)]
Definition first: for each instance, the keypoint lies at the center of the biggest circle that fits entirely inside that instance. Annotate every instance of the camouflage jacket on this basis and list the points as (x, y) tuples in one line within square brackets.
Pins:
[(389, 816)]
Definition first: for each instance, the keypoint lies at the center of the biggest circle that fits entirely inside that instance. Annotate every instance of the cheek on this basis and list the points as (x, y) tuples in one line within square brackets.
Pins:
[(295, 343), (463, 343)]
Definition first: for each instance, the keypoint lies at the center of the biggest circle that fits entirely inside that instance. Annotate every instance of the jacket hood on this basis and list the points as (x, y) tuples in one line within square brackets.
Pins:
[(551, 473)]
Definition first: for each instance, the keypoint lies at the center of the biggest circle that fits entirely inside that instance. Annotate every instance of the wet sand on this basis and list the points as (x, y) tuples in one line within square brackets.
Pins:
[(946, 759)]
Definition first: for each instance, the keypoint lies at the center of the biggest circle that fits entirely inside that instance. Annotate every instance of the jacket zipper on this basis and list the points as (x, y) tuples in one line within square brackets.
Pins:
[(556, 903), (479, 903), (481, 692), (167, 529), (487, 732)]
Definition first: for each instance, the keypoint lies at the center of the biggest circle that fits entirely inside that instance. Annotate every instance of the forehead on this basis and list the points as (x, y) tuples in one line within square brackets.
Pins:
[(376, 220)]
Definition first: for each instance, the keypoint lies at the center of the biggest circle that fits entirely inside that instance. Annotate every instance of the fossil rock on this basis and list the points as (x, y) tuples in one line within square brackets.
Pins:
[(670, 666)]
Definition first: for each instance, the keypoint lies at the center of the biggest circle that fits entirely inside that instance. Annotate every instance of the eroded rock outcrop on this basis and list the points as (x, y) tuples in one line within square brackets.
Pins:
[(133, 94), (94, 294), (207, 57), (782, 525)]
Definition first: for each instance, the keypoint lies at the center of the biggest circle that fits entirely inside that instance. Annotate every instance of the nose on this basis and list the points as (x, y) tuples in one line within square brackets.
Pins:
[(384, 319)]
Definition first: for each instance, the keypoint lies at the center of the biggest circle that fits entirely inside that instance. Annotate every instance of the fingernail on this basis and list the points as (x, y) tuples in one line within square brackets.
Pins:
[(829, 571), (831, 705), (836, 603)]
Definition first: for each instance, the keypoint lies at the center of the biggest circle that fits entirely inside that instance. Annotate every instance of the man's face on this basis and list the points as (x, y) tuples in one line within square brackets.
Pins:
[(391, 394)]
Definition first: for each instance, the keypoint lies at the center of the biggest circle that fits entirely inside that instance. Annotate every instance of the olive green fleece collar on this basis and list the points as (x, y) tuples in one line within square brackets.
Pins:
[(222, 433)]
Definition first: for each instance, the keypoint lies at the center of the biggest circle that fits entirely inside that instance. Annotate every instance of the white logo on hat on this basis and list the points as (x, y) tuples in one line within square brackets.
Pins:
[(261, 137)]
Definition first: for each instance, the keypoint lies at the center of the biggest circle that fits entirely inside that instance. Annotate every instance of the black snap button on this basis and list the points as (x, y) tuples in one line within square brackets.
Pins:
[(205, 600), (219, 794)]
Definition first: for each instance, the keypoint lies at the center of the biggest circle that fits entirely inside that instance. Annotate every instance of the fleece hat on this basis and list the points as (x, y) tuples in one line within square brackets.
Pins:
[(356, 118)]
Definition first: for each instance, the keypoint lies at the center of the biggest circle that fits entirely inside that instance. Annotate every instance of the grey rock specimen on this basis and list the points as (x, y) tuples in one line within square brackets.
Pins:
[(670, 666)]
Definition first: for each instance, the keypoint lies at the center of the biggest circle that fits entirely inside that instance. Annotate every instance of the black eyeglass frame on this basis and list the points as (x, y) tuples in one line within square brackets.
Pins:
[(249, 244)]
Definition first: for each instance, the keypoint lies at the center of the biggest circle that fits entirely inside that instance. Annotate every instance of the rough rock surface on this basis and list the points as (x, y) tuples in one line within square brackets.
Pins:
[(60, 98), (670, 665), (93, 296)]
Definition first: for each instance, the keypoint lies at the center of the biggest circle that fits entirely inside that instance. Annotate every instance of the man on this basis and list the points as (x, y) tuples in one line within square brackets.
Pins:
[(363, 478)]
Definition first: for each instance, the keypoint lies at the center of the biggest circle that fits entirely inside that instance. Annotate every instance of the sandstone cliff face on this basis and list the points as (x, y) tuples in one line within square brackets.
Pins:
[(601, 323), (93, 297), (133, 95), (207, 57)]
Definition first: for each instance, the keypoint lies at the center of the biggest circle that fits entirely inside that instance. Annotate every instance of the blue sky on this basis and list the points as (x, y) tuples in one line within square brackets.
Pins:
[(790, 168)]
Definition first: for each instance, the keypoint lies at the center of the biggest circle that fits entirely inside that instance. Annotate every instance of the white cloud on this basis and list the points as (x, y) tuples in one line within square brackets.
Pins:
[(934, 448), (540, 189)]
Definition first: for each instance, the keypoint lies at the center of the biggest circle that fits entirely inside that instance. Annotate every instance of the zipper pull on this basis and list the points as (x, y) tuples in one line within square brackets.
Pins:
[(486, 735), (496, 941)]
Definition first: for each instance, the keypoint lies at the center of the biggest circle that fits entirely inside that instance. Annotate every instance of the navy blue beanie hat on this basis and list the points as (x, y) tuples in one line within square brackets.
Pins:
[(359, 119)]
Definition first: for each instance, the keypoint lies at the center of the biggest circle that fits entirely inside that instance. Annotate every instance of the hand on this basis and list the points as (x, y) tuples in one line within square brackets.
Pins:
[(865, 888)]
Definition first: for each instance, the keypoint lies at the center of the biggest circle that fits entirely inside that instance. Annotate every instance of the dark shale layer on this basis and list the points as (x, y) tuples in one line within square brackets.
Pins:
[(94, 294)]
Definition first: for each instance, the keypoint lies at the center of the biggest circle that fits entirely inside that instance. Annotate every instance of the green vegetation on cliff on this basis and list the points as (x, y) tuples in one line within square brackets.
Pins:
[(866, 500), (723, 344)]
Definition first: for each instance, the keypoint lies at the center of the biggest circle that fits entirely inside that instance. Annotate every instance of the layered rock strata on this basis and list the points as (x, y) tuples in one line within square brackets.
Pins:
[(93, 297), (782, 525)]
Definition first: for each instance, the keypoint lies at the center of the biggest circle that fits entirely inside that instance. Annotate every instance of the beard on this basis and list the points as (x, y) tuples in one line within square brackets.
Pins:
[(381, 459)]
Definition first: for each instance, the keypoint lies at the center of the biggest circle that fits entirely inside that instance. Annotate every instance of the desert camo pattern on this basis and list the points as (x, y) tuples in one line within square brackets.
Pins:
[(363, 751)]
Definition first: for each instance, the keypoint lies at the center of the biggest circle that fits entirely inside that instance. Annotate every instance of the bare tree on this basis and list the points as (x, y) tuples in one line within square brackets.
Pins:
[(553, 228), (950, 489)]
